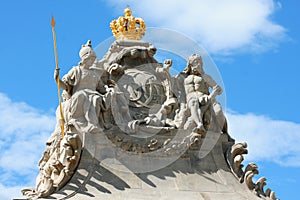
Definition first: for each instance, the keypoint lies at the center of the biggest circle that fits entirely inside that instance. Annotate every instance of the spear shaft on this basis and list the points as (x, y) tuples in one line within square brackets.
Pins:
[(62, 120)]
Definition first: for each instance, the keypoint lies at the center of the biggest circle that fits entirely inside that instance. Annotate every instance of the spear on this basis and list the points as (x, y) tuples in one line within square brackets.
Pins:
[(62, 120)]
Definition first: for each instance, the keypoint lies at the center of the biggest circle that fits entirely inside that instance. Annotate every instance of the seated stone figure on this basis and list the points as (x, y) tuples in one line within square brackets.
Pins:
[(198, 97), (86, 89)]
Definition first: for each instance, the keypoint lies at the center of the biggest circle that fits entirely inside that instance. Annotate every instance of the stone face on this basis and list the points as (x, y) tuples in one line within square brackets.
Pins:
[(132, 131)]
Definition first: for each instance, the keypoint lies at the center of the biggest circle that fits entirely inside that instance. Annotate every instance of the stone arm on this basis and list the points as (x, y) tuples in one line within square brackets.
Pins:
[(109, 86), (179, 87), (164, 70), (62, 84), (167, 64), (209, 80), (126, 52), (101, 88), (217, 90), (115, 65)]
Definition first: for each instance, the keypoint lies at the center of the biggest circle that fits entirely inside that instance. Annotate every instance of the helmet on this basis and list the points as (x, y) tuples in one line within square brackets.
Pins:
[(87, 49)]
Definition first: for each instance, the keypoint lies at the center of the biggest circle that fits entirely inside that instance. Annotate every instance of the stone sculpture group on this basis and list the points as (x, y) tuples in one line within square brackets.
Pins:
[(129, 89), (128, 92)]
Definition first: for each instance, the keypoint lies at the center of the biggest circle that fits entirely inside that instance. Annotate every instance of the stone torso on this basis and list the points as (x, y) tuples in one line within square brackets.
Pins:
[(195, 83), (89, 80)]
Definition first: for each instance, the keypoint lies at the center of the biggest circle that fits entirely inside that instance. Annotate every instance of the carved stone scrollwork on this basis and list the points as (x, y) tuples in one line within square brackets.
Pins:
[(153, 145), (270, 194), (235, 157), (250, 171), (260, 183)]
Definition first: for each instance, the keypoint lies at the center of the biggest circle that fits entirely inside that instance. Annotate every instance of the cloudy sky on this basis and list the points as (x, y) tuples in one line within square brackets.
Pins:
[(254, 44)]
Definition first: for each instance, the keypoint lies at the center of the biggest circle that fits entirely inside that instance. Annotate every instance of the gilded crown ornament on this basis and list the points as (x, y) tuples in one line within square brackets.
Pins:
[(128, 27)]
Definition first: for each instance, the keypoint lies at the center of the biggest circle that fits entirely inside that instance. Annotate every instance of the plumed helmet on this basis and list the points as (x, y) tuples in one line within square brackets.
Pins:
[(87, 49)]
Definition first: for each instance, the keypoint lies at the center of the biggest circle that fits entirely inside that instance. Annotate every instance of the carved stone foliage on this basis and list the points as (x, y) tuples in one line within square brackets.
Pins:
[(245, 175), (57, 165), (163, 143)]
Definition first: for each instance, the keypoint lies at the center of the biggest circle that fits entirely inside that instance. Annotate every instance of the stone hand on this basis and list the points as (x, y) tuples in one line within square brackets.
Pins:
[(56, 74), (168, 63), (218, 89), (109, 89)]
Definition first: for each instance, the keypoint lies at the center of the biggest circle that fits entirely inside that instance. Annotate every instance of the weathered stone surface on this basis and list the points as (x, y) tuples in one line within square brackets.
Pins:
[(183, 179)]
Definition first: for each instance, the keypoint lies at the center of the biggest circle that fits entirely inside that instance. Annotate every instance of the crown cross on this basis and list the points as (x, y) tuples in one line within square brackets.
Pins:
[(128, 27)]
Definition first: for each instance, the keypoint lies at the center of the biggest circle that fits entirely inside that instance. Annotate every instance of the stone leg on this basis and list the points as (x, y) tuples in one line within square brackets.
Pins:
[(196, 115)]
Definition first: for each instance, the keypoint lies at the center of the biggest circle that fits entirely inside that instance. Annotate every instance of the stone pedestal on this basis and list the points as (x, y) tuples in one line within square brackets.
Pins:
[(186, 178)]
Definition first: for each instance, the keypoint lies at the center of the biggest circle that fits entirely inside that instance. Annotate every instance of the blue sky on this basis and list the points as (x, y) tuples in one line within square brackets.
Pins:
[(254, 43)]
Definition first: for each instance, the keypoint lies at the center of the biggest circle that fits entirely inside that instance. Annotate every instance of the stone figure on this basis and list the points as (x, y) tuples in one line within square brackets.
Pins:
[(166, 78), (198, 97), (164, 116), (87, 93), (59, 159)]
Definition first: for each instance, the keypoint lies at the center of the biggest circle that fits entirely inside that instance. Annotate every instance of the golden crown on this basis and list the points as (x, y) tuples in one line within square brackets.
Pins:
[(128, 27)]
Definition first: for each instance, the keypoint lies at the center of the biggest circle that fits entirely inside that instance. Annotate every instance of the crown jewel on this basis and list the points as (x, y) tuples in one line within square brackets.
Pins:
[(128, 27)]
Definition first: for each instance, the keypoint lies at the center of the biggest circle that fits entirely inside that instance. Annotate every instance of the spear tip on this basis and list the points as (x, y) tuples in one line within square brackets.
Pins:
[(52, 21)]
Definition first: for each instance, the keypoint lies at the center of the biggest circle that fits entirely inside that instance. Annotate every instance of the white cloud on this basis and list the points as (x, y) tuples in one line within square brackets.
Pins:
[(221, 26), (8, 193), (268, 140), (23, 133)]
